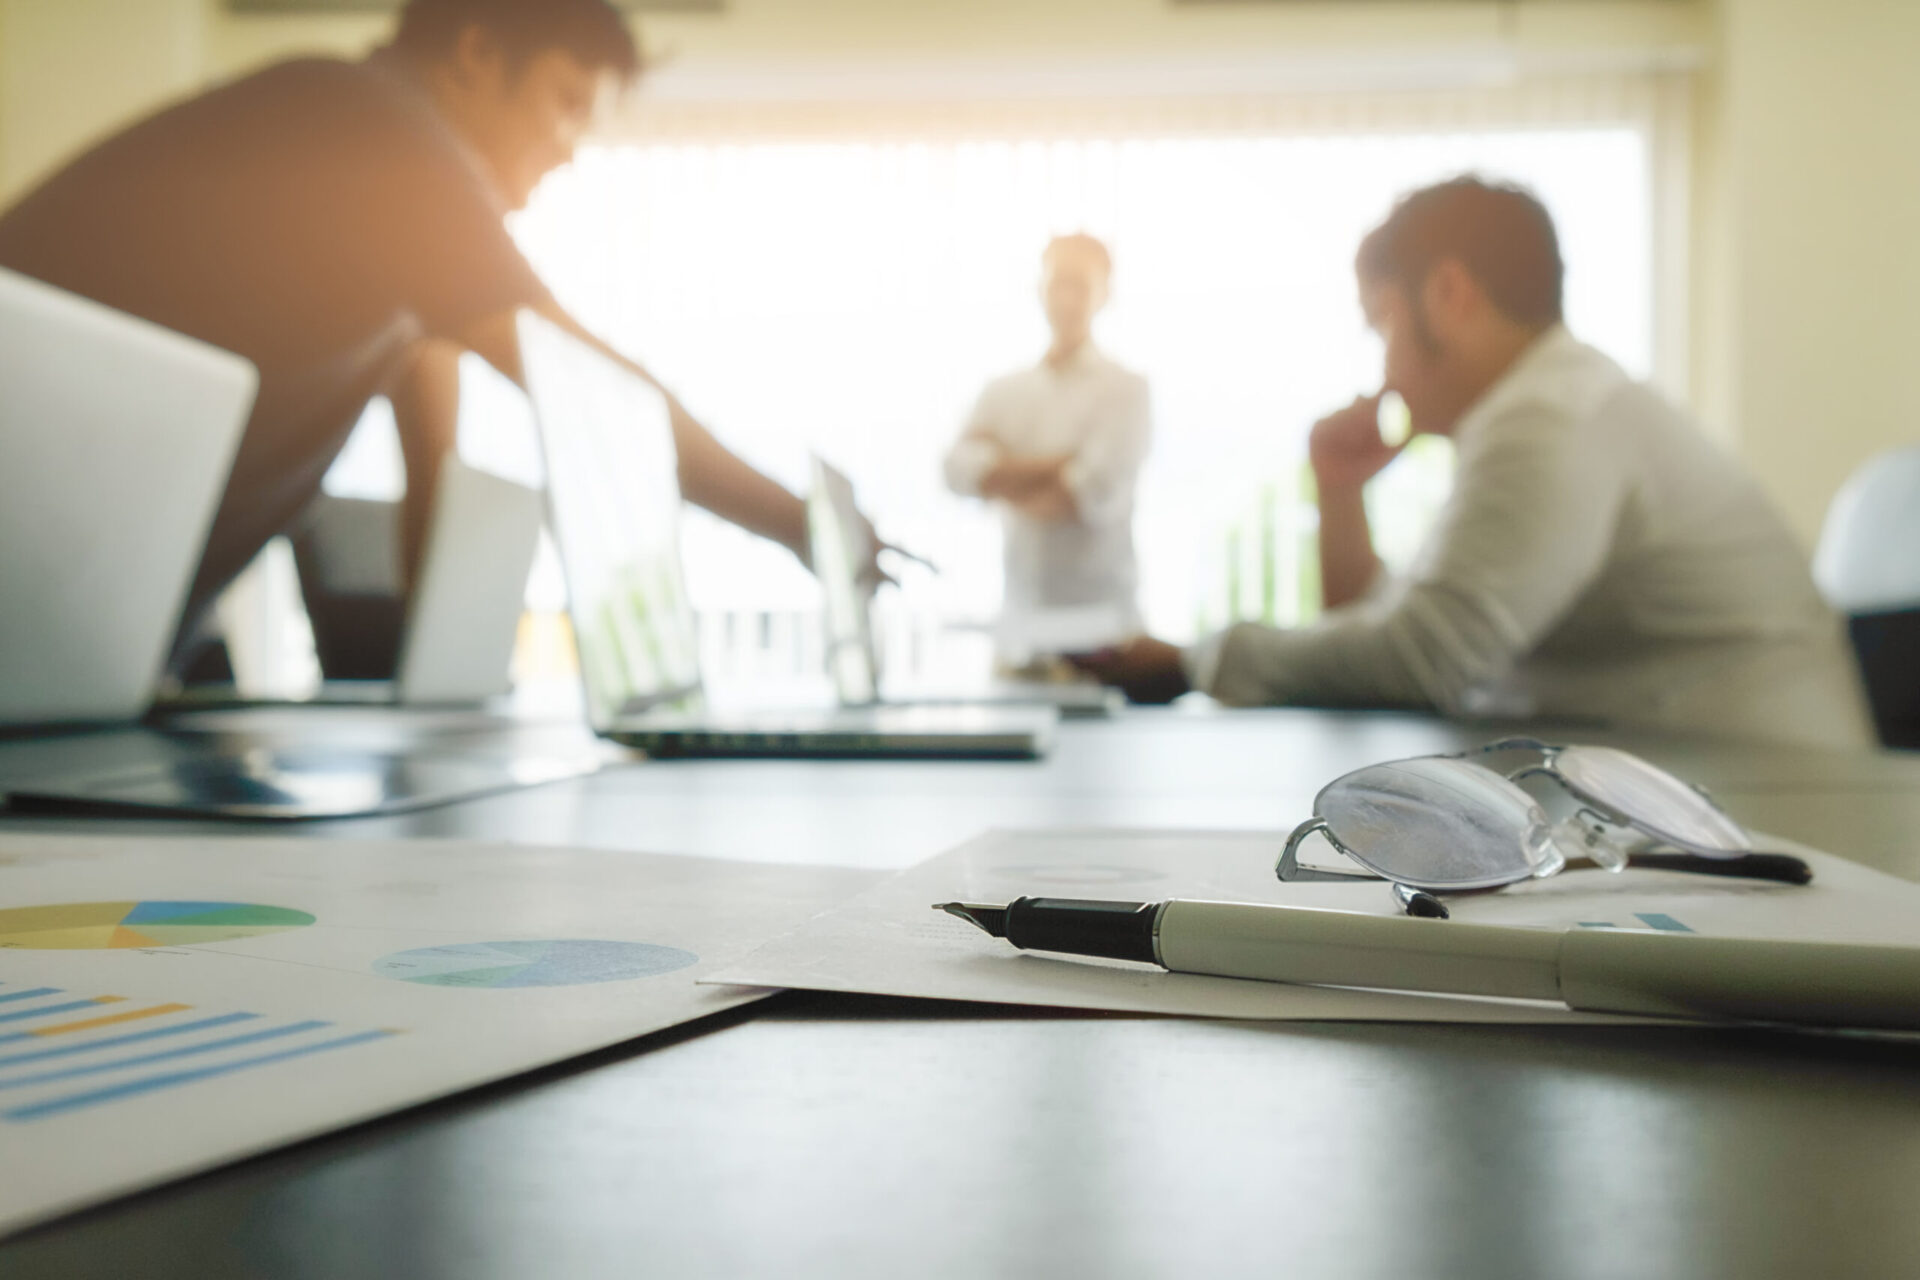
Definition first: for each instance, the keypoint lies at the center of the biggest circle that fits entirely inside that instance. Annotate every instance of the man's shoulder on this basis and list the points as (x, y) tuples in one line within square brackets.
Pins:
[(1038, 378), (1120, 375), (311, 69), (308, 76), (1558, 386), (1593, 420), (345, 99), (1134, 384)]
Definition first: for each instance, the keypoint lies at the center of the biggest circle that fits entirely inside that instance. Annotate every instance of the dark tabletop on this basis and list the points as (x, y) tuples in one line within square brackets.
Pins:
[(845, 1136)]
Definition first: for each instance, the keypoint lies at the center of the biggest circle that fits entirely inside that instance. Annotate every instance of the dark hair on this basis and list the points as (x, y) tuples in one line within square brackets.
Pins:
[(591, 30), (1500, 233), (1082, 243)]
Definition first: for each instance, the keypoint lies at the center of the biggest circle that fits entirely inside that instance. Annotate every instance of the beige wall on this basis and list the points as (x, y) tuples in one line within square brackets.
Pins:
[(72, 69), (1817, 228), (1805, 270), (5, 129)]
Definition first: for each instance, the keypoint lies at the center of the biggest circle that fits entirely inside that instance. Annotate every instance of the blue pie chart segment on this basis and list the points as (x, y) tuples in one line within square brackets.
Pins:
[(561, 962)]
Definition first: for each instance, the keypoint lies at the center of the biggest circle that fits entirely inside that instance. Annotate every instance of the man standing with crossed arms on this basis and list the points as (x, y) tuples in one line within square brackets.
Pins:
[(1058, 449)]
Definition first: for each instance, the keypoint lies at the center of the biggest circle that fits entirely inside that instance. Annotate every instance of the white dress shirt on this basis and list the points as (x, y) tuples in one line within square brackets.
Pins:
[(1097, 413), (1599, 559)]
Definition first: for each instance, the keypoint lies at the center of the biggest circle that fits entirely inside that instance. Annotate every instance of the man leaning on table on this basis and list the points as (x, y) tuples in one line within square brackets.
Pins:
[(340, 224), (1598, 559)]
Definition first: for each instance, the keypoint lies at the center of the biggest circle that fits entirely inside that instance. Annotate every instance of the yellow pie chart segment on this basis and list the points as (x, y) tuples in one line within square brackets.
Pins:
[(106, 926)]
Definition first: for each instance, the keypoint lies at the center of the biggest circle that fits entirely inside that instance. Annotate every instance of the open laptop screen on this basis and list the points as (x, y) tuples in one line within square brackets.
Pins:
[(614, 498), (840, 551)]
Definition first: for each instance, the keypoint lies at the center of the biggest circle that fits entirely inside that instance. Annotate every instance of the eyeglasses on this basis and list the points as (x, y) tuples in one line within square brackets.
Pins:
[(1455, 824)]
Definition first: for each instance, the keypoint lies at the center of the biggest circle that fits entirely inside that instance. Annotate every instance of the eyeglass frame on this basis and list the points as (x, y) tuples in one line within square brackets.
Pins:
[(1742, 862)]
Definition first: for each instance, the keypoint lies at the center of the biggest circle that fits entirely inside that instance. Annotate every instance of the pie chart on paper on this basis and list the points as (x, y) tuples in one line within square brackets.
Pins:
[(105, 926), (556, 962)]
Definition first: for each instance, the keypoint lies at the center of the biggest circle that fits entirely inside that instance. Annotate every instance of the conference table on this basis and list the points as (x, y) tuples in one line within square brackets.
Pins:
[(834, 1135)]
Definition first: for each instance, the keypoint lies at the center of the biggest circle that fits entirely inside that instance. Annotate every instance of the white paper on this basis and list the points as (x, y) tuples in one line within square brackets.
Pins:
[(888, 940), (124, 1065)]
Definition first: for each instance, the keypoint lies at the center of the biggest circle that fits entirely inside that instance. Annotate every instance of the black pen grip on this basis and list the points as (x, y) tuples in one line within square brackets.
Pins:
[(1082, 927)]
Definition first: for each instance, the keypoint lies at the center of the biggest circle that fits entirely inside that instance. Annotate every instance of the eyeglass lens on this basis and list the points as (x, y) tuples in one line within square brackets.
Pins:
[(1439, 824), (1653, 798)]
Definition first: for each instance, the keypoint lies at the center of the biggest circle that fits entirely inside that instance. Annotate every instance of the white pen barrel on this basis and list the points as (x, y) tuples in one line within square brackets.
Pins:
[(1688, 976), (1342, 948)]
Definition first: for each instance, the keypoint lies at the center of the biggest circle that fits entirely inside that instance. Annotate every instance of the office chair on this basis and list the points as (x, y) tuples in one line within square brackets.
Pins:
[(1868, 566)]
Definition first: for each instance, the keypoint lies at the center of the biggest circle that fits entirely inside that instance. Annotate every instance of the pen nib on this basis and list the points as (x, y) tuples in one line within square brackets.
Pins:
[(991, 919)]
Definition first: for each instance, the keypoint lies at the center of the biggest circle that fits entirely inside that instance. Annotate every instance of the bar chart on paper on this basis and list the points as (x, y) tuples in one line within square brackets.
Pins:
[(63, 1051), (167, 1005)]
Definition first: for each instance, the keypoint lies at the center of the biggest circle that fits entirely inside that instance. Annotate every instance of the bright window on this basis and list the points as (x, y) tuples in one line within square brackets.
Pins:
[(853, 297)]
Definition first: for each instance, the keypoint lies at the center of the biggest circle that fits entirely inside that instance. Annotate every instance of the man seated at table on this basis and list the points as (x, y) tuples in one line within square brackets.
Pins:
[(1599, 558), (1058, 448), (340, 224)]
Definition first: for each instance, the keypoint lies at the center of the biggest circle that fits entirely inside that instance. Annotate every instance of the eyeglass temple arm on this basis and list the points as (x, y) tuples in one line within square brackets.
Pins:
[(1782, 868), (1289, 868)]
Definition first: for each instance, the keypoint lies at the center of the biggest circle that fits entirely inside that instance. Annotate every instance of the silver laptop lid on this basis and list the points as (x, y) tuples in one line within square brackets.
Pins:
[(841, 549), (116, 439), (472, 589), (613, 494)]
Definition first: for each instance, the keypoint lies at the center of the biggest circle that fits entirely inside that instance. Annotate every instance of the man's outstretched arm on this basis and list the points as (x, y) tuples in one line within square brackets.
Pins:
[(426, 409), (711, 475)]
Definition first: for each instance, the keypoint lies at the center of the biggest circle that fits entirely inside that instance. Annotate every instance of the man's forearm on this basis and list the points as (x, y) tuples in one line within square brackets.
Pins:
[(1014, 479), (1051, 503), (714, 477), (426, 409), (1347, 560), (711, 475), (969, 462)]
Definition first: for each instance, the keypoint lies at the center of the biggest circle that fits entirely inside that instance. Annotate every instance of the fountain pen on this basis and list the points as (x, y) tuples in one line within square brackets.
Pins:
[(1626, 971)]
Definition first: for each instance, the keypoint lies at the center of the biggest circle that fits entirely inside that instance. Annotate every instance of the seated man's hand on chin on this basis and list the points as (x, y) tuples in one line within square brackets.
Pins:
[(1145, 669)]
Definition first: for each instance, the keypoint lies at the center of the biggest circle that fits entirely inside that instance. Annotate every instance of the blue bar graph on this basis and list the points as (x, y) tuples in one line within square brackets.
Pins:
[(133, 1088), (165, 1055), (1651, 919), (93, 1056), (23, 1014), (114, 1042)]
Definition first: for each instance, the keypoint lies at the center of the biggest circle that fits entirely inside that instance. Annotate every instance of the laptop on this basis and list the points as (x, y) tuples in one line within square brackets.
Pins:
[(614, 501), (842, 548), (458, 644), (452, 646), (116, 438)]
